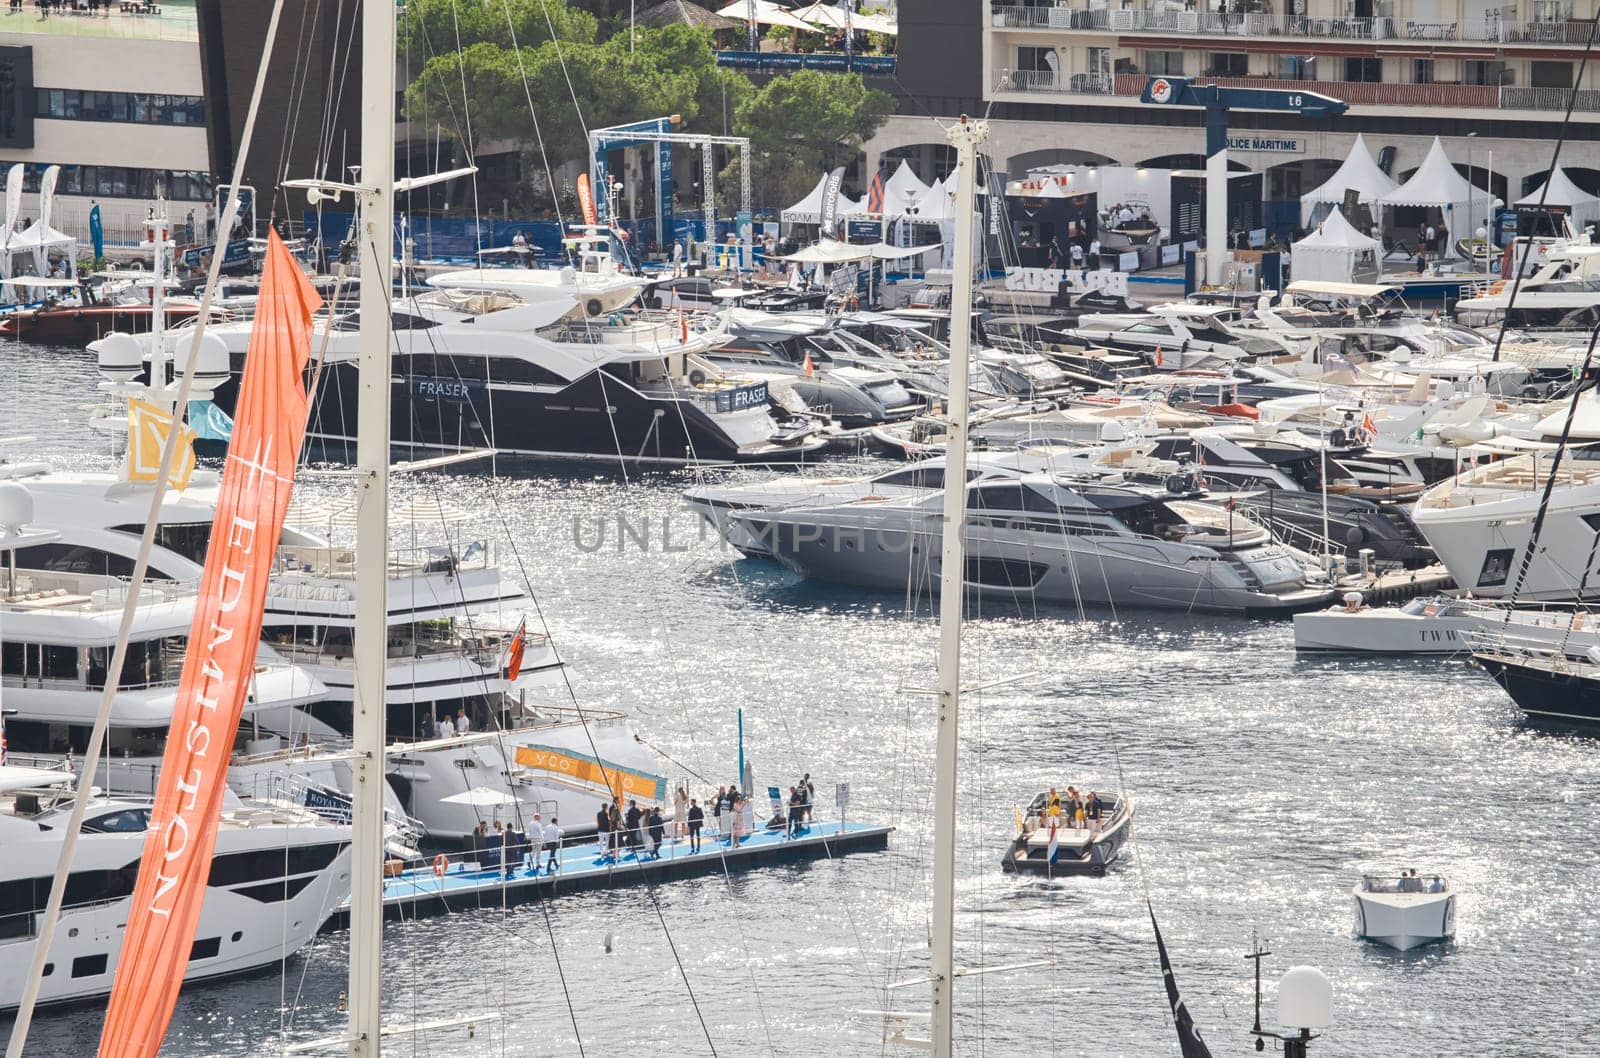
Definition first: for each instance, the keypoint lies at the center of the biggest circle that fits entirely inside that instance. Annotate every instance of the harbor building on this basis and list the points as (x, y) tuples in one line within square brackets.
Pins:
[(116, 99), (1061, 81)]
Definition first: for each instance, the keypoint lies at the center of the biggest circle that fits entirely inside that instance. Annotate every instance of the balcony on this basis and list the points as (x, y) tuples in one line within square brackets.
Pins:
[(1092, 19), (1356, 93)]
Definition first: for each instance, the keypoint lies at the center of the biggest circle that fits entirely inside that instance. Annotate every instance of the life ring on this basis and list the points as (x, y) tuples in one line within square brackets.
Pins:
[(440, 865)]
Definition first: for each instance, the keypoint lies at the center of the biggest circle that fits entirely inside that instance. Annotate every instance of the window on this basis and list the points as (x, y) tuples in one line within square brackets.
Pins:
[(1228, 64), (1169, 63), (141, 108), (205, 949), (1496, 568), (16, 89), (1422, 71), (127, 821), (1295, 67), (1485, 72), (89, 965), (1363, 69), (1551, 75), (1038, 60)]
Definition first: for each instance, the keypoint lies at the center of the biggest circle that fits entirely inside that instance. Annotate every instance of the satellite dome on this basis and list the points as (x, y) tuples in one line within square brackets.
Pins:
[(1305, 999), (16, 506)]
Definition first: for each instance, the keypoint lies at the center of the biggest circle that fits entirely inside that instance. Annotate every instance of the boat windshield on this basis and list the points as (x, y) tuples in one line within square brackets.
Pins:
[(1404, 884)]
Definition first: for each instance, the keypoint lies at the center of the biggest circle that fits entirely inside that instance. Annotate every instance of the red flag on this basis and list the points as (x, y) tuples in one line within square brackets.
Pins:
[(1367, 425), (810, 368), (514, 656), (269, 423), (1158, 356), (875, 193)]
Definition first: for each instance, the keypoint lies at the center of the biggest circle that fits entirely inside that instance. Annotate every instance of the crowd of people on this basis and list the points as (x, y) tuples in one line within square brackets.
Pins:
[(728, 814), (503, 847), (1070, 810)]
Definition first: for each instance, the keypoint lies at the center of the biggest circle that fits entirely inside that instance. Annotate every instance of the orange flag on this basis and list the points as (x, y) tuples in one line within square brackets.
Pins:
[(269, 423), (586, 200)]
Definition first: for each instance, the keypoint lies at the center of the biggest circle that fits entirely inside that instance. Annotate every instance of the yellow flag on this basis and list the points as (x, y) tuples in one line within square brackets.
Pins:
[(148, 427), (624, 782)]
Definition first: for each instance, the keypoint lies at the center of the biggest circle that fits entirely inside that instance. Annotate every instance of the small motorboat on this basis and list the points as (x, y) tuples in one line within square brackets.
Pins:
[(1437, 625), (1404, 911), (1062, 848)]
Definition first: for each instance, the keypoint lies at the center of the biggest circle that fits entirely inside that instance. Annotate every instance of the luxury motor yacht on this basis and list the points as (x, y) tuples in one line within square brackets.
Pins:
[(1188, 336), (480, 367), (1480, 523), (1054, 539), (278, 873)]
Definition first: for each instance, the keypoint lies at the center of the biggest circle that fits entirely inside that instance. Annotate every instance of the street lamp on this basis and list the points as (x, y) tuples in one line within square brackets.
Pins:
[(1472, 191)]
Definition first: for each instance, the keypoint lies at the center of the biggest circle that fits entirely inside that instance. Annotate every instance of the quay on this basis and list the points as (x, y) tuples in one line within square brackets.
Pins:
[(1396, 586), (465, 884)]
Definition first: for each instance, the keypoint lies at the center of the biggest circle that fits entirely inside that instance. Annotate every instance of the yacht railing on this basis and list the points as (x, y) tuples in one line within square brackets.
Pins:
[(403, 562), (1395, 884)]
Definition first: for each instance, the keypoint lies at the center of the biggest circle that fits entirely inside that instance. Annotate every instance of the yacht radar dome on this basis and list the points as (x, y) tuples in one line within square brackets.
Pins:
[(1305, 999), (118, 357), (16, 507), (211, 369)]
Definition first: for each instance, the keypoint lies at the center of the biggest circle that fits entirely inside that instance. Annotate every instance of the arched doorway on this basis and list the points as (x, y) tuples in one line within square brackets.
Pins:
[(1189, 161), (1021, 164)]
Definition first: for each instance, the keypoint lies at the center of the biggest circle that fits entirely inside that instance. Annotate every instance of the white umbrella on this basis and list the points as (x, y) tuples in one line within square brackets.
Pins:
[(875, 24), (38, 281), (823, 15), (767, 13)]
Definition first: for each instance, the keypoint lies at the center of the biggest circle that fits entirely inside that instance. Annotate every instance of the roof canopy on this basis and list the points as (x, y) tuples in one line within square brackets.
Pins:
[(1336, 233), (1358, 173), (809, 209), (1563, 192), (38, 235), (902, 192), (830, 251), (1435, 183), (682, 12), (767, 14)]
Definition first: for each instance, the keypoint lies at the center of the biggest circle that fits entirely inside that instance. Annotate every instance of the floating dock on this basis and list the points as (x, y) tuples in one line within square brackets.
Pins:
[(466, 884), (1399, 585)]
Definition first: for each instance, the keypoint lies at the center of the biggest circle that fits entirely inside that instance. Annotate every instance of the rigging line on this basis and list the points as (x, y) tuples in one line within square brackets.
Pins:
[(1555, 460), (46, 926), (467, 140), (544, 154), (1544, 192), (671, 759), (561, 975), (296, 89), (334, 100)]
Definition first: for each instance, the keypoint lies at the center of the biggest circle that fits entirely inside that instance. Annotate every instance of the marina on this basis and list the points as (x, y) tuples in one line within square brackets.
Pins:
[(494, 635)]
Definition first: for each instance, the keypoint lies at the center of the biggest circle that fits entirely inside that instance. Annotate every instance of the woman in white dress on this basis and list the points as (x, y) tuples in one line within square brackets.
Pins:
[(680, 814)]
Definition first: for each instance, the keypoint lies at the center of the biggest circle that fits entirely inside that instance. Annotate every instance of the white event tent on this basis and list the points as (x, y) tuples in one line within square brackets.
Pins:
[(1584, 207), (809, 209), (1358, 173), (1436, 183), (1336, 251)]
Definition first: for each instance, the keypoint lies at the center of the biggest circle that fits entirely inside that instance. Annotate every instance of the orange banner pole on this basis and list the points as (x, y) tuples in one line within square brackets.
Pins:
[(269, 424)]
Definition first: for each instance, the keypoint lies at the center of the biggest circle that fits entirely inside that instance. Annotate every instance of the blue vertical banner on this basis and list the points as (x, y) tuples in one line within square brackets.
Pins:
[(602, 187), (663, 193), (744, 226), (97, 234)]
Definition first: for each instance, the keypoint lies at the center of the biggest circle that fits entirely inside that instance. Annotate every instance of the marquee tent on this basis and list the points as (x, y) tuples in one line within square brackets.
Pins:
[(1584, 207), (1436, 183), (809, 209), (1336, 251), (1358, 173)]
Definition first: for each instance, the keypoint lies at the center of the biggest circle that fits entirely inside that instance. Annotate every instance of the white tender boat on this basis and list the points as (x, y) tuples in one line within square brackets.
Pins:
[(1406, 911), (1421, 626)]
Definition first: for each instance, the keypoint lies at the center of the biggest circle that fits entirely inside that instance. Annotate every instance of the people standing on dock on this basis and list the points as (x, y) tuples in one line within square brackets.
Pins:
[(602, 829), (680, 814), (631, 821), (736, 824), (697, 819), (535, 842), (808, 796), (796, 811), (495, 848), (552, 843), (614, 825), (477, 840), (716, 810), (658, 831), (747, 815)]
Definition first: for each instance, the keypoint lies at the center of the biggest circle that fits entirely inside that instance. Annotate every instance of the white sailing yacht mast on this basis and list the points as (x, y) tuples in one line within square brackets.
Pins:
[(965, 136), (376, 254)]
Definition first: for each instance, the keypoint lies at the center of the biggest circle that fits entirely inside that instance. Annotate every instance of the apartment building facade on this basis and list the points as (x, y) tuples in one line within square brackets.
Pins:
[(116, 101), (1061, 80)]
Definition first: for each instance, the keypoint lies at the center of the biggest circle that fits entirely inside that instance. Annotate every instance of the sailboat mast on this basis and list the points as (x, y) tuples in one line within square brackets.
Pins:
[(965, 137), (372, 524)]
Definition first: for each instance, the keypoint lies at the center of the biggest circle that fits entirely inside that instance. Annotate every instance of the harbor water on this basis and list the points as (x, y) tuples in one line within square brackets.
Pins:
[(1264, 785)]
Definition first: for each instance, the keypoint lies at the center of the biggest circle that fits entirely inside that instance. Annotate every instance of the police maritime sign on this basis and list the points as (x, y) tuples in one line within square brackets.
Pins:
[(1272, 144)]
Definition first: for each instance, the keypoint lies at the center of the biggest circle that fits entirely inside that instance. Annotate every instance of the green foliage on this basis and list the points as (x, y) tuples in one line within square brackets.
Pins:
[(435, 28), (807, 122), (798, 124)]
